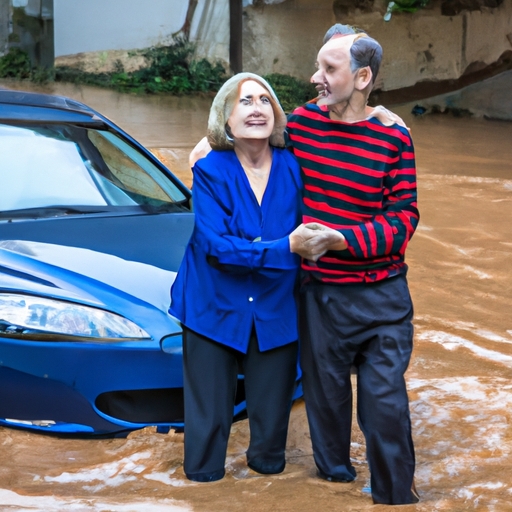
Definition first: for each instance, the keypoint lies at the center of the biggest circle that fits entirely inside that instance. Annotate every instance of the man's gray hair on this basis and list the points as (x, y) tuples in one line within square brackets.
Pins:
[(365, 50), (224, 103), (339, 30)]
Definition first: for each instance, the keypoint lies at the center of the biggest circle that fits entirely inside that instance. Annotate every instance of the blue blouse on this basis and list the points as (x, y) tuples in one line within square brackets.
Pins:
[(238, 270)]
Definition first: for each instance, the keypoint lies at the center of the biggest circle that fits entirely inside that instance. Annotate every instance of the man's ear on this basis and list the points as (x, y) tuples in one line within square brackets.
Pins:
[(363, 78)]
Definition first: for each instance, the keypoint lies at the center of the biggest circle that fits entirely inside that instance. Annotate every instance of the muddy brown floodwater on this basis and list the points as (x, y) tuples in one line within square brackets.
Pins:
[(460, 377)]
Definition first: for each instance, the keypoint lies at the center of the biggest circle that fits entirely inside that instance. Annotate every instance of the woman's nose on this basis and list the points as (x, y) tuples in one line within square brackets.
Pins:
[(256, 109)]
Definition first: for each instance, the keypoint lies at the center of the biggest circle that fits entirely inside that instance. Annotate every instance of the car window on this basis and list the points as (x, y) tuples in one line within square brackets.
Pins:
[(130, 169), (65, 165)]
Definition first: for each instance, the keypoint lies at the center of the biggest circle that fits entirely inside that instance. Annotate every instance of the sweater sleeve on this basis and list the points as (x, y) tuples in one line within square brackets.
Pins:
[(389, 232), (226, 250)]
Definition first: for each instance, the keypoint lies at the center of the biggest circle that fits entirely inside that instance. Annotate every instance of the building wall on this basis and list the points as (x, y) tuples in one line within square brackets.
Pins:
[(422, 46), (102, 25), (284, 36), (31, 29), (210, 30), (4, 25), (490, 98)]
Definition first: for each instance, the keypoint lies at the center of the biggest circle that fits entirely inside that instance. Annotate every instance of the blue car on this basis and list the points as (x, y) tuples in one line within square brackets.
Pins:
[(93, 228)]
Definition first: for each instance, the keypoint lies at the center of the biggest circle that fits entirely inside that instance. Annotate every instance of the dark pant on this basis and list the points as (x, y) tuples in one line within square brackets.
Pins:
[(210, 373), (367, 326)]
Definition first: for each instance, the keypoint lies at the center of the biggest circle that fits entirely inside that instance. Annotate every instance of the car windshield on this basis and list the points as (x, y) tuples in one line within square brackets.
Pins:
[(77, 169)]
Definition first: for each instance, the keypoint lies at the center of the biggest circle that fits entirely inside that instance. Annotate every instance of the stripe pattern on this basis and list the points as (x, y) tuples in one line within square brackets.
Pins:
[(360, 179)]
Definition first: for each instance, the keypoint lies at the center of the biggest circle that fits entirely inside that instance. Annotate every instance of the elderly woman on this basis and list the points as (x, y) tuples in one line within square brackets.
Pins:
[(234, 292)]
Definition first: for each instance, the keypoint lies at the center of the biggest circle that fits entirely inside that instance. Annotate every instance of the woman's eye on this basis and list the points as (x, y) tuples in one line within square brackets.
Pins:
[(265, 100)]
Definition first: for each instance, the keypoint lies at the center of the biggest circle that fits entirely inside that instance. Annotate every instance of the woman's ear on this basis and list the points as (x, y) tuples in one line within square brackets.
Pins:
[(229, 134), (363, 78)]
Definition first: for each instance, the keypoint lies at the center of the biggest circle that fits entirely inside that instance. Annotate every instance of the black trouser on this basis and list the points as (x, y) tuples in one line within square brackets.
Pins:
[(367, 326), (210, 373)]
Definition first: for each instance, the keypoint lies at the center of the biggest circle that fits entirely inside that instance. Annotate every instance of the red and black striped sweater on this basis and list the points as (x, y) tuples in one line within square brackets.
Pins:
[(359, 178)]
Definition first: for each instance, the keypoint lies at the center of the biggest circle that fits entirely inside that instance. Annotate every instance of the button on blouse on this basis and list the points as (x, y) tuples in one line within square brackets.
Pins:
[(238, 270)]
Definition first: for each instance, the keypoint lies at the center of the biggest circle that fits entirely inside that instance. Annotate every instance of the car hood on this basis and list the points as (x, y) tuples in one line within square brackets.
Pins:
[(82, 275)]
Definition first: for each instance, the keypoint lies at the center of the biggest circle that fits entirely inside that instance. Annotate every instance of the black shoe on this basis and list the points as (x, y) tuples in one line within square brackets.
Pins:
[(267, 468), (415, 498), (330, 478), (213, 476)]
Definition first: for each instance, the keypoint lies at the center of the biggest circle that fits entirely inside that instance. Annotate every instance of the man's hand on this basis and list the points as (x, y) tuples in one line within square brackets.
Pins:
[(201, 149), (385, 116), (313, 240)]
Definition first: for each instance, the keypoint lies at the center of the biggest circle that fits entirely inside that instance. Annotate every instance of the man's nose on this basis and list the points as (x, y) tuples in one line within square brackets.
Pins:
[(317, 78)]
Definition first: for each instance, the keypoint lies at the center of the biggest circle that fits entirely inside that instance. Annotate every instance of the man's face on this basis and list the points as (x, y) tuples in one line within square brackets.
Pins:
[(334, 79), (252, 116)]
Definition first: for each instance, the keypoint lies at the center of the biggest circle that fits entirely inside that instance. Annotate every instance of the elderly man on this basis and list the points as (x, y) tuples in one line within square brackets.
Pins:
[(355, 309)]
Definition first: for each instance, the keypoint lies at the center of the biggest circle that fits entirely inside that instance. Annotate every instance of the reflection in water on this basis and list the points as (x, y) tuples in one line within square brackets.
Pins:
[(460, 379)]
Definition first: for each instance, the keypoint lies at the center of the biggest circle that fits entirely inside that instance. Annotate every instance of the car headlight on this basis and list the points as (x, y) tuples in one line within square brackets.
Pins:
[(49, 319)]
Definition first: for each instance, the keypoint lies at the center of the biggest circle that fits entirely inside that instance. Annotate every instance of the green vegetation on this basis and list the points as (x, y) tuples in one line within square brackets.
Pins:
[(409, 5), (291, 91), (169, 69), (15, 64), (404, 6)]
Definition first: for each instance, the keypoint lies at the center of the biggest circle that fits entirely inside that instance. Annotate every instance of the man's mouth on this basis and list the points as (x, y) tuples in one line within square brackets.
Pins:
[(323, 91)]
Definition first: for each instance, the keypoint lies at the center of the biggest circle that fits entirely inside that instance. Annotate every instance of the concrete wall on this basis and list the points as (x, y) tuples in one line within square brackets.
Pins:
[(425, 45), (284, 36), (31, 26), (489, 98), (210, 30), (4, 25), (99, 25)]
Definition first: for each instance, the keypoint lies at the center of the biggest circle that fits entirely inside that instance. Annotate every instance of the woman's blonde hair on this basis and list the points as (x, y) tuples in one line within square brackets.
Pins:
[(224, 103)]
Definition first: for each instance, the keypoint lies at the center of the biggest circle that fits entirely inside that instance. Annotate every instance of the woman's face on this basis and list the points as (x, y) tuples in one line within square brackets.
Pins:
[(252, 116)]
